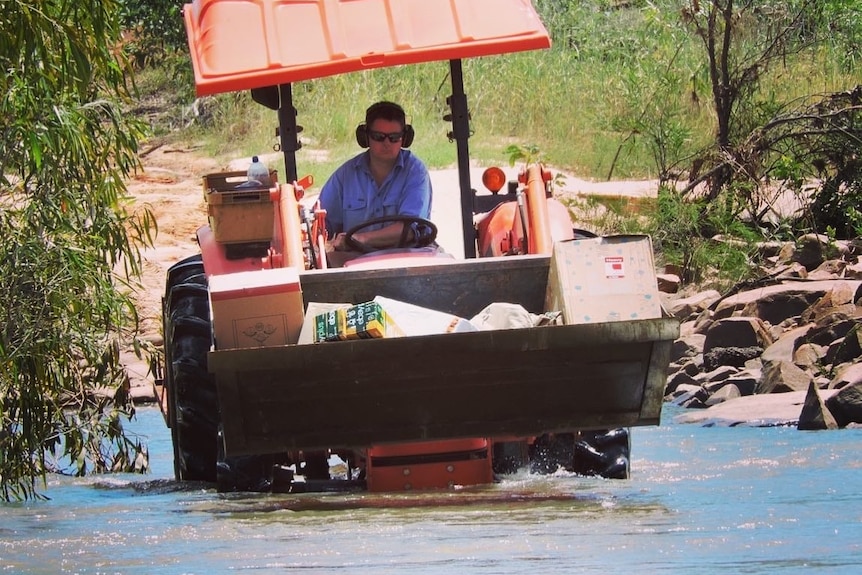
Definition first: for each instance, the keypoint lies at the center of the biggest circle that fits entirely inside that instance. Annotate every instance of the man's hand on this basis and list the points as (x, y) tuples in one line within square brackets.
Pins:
[(337, 244)]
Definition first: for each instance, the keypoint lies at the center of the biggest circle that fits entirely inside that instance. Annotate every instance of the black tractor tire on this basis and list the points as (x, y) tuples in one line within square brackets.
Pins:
[(192, 399), (603, 453), (193, 406)]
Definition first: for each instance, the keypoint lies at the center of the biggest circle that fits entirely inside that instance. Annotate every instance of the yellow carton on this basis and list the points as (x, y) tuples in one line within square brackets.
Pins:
[(367, 320)]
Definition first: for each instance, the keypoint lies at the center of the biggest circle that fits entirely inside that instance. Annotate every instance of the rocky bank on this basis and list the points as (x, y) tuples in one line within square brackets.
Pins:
[(782, 350)]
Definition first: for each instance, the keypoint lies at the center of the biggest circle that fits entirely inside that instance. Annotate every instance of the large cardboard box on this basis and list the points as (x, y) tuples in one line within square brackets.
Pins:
[(238, 215), (603, 279), (256, 308)]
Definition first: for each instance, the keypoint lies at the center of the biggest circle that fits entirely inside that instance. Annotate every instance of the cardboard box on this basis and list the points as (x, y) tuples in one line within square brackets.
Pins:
[(603, 279), (238, 215), (256, 308), (417, 320)]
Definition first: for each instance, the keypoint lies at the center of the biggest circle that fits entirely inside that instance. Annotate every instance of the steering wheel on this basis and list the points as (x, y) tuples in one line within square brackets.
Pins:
[(424, 233)]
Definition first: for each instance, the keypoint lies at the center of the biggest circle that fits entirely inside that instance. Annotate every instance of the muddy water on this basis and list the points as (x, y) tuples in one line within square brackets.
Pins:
[(701, 500)]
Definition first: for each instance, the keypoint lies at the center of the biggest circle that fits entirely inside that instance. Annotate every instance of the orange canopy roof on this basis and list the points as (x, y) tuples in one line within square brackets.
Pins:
[(242, 44)]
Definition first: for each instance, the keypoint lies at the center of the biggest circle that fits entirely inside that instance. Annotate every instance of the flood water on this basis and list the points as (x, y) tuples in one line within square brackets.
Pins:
[(700, 500)]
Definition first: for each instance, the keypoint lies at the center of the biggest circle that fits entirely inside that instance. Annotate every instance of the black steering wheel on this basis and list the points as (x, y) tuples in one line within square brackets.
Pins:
[(424, 233)]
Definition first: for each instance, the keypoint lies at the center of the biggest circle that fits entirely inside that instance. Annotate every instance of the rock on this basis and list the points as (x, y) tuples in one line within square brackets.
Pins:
[(795, 330), (808, 355), (718, 374), (815, 415), (685, 307), (800, 294), (730, 356), (726, 392), (737, 332), (837, 300), (853, 271), (690, 396), (745, 381), (828, 270), (827, 331), (843, 350), (791, 271), (668, 283), (679, 379), (846, 375), (687, 346), (781, 377), (753, 410), (810, 250), (846, 405), (782, 349)]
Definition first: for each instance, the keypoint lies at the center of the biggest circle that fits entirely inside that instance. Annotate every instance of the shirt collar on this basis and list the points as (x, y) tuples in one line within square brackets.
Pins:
[(363, 160)]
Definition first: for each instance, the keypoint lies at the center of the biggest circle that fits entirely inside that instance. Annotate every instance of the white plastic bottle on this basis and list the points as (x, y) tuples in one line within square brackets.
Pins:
[(258, 173)]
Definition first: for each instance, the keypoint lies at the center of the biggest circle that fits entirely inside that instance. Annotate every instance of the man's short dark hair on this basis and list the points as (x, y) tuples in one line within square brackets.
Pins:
[(386, 111)]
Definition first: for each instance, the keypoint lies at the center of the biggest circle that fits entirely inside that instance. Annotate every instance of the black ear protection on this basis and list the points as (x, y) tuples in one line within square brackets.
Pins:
[(373, 113)]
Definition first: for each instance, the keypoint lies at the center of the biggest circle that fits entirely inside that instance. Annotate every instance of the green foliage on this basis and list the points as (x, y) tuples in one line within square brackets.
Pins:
[(66, 148), (706, 240), (153, 29)]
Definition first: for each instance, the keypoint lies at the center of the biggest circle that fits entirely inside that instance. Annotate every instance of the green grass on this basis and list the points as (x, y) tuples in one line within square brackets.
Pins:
[(593, 103)]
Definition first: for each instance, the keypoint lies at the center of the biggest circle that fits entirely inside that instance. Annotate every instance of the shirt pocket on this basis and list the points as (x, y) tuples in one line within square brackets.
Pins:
[(355, 204)]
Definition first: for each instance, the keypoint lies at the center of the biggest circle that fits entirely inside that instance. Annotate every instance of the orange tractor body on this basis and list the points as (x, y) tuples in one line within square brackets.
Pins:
[(417, 412)]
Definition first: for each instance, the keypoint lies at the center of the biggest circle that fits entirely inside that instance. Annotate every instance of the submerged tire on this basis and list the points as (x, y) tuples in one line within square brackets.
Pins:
[(192, 399), (192, 394), (604, 453)]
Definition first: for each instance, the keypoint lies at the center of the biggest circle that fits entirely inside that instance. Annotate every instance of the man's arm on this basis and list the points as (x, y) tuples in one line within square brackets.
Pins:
[(386, 237)]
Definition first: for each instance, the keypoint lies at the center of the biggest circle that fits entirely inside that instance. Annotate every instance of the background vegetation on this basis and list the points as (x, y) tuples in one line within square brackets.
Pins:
[(740, 101), (726, 102)]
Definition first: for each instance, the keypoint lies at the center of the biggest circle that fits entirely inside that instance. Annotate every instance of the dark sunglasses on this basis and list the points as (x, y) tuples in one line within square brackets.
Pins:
[(380, 136)]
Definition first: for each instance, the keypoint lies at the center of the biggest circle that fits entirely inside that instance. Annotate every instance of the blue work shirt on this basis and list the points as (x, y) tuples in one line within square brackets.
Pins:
[(350, 196)]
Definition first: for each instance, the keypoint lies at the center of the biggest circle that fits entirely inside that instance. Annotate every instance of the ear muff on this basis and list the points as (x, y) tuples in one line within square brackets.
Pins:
[(362, 136), (408, 136)]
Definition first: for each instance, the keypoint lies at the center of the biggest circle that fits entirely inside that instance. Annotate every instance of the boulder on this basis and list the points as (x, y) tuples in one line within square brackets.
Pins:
[(753, 410), (783, 376), (808, 355), (828, 270), (668, 283), (687, 346), (845, 375), (815, 415), (782, 348), (810, 250), (694, 304), (846, 405), (843, 350), (726, 392), (828, 330), (737, 332), (780, 301), (730, 356)]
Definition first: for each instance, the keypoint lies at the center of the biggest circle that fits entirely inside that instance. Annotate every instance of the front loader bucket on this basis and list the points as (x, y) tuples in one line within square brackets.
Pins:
[(503, 383)]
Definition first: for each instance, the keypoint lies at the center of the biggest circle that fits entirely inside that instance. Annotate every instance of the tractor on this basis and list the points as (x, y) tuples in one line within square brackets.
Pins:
[(253, 406)]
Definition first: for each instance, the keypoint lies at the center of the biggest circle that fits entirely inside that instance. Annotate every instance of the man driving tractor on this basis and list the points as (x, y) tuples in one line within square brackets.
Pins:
[(386, 180)]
